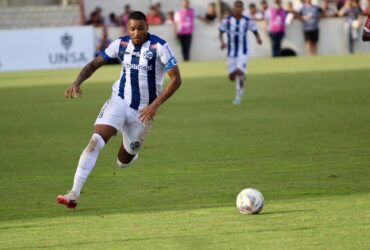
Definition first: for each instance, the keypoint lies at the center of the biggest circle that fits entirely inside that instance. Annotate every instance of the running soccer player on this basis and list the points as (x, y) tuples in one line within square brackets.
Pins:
[(366, 32), (135, 99), (236, 26)]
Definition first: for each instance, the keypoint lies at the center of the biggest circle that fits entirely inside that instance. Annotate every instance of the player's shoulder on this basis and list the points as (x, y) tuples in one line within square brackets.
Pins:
[(247, 18), (124, 38), (154, 39)]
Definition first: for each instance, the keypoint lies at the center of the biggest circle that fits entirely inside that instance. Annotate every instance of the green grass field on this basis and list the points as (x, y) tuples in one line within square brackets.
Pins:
[(301, 136)]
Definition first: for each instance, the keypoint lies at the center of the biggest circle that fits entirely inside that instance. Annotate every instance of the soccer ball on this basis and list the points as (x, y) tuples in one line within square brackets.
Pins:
[(250, 201)]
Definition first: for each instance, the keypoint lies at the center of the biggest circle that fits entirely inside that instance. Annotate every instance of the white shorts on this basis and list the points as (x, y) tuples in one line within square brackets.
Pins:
[(117, 113), (239, 62)]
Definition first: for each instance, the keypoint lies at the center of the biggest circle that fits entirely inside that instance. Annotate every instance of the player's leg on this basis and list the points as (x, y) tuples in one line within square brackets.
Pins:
[(240, 78), (108, 122), (86, 163), (134, 134)]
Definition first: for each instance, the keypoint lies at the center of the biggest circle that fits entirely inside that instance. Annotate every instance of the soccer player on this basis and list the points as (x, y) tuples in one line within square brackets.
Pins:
[(135, 99), (366, 32), (236, 26)]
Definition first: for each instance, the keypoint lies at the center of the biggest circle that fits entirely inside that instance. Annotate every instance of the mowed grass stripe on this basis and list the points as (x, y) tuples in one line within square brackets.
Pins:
[(300, 137)]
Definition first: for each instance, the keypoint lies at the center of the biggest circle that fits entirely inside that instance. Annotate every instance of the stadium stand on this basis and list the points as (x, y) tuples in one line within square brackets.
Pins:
[(39, 16)]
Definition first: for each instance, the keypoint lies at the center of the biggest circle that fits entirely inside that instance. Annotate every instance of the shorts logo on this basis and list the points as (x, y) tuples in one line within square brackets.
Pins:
[(148, 55), (135, 145)]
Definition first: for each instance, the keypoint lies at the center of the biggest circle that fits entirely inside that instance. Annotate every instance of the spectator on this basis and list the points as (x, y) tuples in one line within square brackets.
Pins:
[(103, 42), (211, 14), (158, 6), (291, 13), (184, 25), (366, 30), (340, 4), (310, 15), (226, 13), (95, 19), (153, 17), (328, 10), (253, 13), (222, 9), (170, 20), (124, 18), (352, 11), (99, 15), (275, 25), (112, 21), (264, 7)]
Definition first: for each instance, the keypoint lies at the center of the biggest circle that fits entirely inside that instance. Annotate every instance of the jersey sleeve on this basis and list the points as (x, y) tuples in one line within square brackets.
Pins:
[(167, 58), (111, 52), (223, 26)]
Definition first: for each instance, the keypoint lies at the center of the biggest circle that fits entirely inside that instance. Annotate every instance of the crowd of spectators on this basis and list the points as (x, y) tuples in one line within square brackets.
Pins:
[(274, 16)]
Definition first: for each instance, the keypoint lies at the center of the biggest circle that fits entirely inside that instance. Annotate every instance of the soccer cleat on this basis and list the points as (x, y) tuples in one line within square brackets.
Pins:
[(69, 200), (237, 101)]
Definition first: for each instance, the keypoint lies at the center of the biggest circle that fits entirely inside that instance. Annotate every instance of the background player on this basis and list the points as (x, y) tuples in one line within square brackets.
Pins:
[(236, 26), (135, 99)]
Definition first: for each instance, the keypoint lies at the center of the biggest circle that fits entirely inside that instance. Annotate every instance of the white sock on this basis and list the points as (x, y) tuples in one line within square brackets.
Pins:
[(87, 162), (239, 88)]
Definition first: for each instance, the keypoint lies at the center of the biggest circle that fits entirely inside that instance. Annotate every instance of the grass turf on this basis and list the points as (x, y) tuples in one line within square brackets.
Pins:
[(301, 136)]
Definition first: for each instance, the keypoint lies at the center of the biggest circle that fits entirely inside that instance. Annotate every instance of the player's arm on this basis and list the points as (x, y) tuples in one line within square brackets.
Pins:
[(221, 38), (257, 36), (149, 112), (222, 29), (253, 27), (75, 90)]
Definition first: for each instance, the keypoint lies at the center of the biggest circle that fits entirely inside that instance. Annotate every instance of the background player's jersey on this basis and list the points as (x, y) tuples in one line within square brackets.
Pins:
[(237, 39), (143, 70)]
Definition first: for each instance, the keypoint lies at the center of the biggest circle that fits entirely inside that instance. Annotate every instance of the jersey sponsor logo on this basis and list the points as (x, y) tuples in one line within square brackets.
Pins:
[(136, 53), (148, 55), (138, 67), (124, 44)]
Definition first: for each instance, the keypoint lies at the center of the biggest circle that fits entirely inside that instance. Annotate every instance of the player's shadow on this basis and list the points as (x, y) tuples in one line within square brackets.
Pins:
[(285, 212)]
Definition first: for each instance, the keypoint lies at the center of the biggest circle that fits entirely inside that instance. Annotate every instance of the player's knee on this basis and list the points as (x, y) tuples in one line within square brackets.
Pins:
[(95, 144), (123, 163), (232, 77)]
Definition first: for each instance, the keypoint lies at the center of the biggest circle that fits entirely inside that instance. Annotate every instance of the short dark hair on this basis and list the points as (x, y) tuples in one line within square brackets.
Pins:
[(137, 15), (239, 2)]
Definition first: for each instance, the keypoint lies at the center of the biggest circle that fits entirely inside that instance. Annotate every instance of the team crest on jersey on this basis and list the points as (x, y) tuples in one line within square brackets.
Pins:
[(148, 55), (135, 145)]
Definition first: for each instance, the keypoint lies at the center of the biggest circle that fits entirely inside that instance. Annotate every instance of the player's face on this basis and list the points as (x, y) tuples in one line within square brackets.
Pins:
[(138, 30), (238, 9)]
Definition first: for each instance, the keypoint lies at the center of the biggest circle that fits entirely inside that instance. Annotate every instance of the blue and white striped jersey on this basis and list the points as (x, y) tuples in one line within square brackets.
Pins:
[(143, 68), (237, 39)]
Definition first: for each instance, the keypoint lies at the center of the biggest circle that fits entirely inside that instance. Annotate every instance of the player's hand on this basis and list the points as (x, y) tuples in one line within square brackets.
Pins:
[(259, 41), (73, 91), (148, 113), (223, 45)]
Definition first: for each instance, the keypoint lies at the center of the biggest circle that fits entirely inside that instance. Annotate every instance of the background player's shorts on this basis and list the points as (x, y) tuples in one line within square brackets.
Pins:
[(117, 113), (239, 62)]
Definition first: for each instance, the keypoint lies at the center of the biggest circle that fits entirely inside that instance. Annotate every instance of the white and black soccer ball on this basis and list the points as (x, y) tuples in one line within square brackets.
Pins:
[(250, 201)]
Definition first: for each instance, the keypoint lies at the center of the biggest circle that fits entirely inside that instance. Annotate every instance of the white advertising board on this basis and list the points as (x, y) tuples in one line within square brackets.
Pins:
[(46, 48)]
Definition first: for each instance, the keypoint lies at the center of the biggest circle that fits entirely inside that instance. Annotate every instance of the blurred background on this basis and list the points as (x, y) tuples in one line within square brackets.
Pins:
[(68, 33)]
